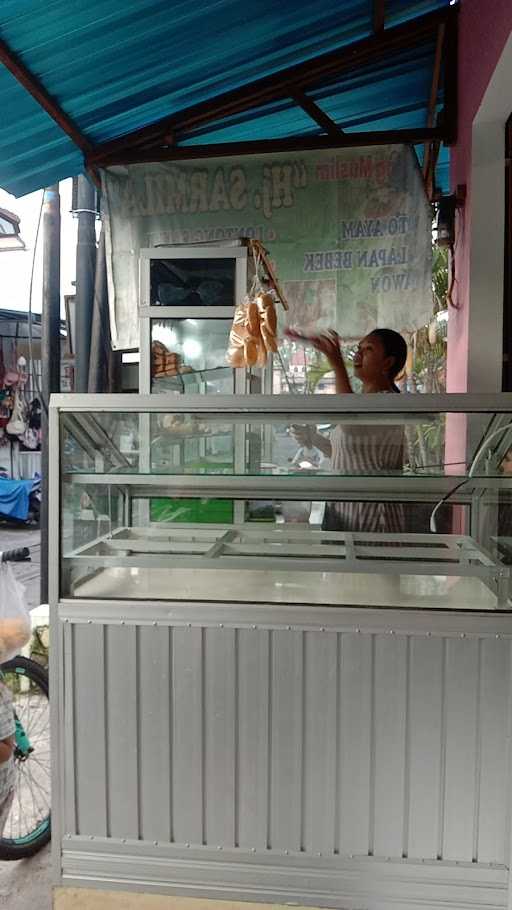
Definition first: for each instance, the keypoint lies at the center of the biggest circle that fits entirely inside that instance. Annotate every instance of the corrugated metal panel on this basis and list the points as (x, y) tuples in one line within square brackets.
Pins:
[(286, 754), (253, 737), (155, 712), (462, 734), (312, 742), (187, 769), (91, 731), (122, 704), (389, 722), (116, 67), (320, 668), (355, 747), (424, 747), (494, 736), (220, 721)]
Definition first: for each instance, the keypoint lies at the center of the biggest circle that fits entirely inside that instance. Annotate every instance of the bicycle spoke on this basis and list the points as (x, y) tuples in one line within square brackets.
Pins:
[(40, 810), (28, 772), (34, 729), (34, 814), (18, 794), (33, 758), (39, 784), (31, 804)]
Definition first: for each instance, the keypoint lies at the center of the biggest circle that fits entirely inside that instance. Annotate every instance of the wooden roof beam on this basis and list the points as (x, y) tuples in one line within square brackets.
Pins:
[(450, 80), (35, 88), (139, 155), (378, 15), (429, 151), (278, 85), (316, 113)]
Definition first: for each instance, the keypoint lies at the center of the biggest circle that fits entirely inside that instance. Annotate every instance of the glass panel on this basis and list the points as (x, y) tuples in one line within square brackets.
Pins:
[(100, 443), (402, 496), (347, 445), (192, 282), (189, 356), (8, 228), (283, 559)]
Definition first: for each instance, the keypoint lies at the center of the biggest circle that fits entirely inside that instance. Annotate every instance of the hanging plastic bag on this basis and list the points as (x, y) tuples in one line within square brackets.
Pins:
[(16, 425), (30, 439), (268, 321), (15, 624), (253, 332), (246, 347)]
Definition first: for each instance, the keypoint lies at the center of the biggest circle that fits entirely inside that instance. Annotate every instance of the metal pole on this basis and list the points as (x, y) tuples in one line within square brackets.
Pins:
[(85, 272), (105, 364), (100, 338), (50, 351)]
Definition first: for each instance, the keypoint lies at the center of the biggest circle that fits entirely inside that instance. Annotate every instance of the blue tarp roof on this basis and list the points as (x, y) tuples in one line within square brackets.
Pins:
[(115, 66)]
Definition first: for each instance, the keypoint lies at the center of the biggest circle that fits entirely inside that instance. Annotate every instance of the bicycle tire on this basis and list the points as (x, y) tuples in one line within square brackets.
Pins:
[(15, 848)]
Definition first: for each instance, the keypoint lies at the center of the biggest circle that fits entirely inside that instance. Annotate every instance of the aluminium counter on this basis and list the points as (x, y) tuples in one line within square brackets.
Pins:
[(248, 708)]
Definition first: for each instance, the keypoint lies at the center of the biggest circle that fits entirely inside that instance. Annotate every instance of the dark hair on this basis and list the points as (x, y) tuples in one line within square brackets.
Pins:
[(394, 346)]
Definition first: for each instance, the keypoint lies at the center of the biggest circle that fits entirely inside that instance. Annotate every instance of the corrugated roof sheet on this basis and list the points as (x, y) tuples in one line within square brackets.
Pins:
[(115, 66)]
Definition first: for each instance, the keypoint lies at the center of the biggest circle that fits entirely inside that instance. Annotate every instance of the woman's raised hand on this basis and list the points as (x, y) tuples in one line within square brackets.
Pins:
[(327, 343), (303, 435)]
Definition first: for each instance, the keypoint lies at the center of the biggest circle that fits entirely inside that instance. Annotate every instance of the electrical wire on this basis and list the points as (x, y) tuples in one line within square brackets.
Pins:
[(433, 525), (484, 445), (471, 472), (453, 280)]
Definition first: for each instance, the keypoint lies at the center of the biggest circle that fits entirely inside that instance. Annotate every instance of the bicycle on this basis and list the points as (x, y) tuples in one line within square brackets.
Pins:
[(28, 825)]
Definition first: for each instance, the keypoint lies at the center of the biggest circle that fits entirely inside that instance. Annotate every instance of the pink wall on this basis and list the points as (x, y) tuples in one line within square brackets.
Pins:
[(484, 26)]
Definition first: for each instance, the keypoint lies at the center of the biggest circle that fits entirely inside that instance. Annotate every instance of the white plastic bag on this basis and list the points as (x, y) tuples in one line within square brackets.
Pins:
[(15, 624), (16, 425)]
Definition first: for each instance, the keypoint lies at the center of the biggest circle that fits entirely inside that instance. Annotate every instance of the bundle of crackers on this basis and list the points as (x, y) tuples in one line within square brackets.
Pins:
[(253, 334)]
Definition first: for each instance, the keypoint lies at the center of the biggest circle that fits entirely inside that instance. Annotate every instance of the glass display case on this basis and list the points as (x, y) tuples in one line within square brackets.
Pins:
[(188, 296), (343, 500)]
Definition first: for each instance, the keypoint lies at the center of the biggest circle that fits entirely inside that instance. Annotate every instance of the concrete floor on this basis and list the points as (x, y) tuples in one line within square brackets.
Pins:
[(25, 885)]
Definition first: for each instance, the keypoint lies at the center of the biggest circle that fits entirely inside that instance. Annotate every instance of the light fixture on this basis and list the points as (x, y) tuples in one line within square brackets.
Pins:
[(10, 232), (192, 348), (164, 334), (445, 226)]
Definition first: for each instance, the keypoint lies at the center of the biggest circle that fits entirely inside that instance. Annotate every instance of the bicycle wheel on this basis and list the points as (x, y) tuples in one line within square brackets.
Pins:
[(27, 828)]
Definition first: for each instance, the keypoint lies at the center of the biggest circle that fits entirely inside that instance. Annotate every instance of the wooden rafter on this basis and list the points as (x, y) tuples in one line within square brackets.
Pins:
[(429, 155), (275, 87), (316, 113), (378, 15), (450, 57), (139, 155), (35, 88)]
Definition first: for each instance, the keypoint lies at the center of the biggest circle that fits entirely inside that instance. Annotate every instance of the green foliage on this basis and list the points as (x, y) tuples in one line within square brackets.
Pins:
[(439, 277)]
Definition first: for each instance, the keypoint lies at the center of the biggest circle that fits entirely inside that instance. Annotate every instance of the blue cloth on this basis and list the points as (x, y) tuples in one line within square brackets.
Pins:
[(14, 498)]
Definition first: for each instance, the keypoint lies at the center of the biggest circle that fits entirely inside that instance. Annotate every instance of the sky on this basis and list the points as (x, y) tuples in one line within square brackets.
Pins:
[(16, 265)]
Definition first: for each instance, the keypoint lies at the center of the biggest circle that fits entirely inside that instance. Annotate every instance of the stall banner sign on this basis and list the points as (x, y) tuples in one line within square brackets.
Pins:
[(349, 231)]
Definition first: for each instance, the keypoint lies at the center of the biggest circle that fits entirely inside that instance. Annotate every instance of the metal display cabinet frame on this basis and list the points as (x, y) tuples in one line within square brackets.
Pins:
[(147, 313), (238, 546), (323, 756)]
